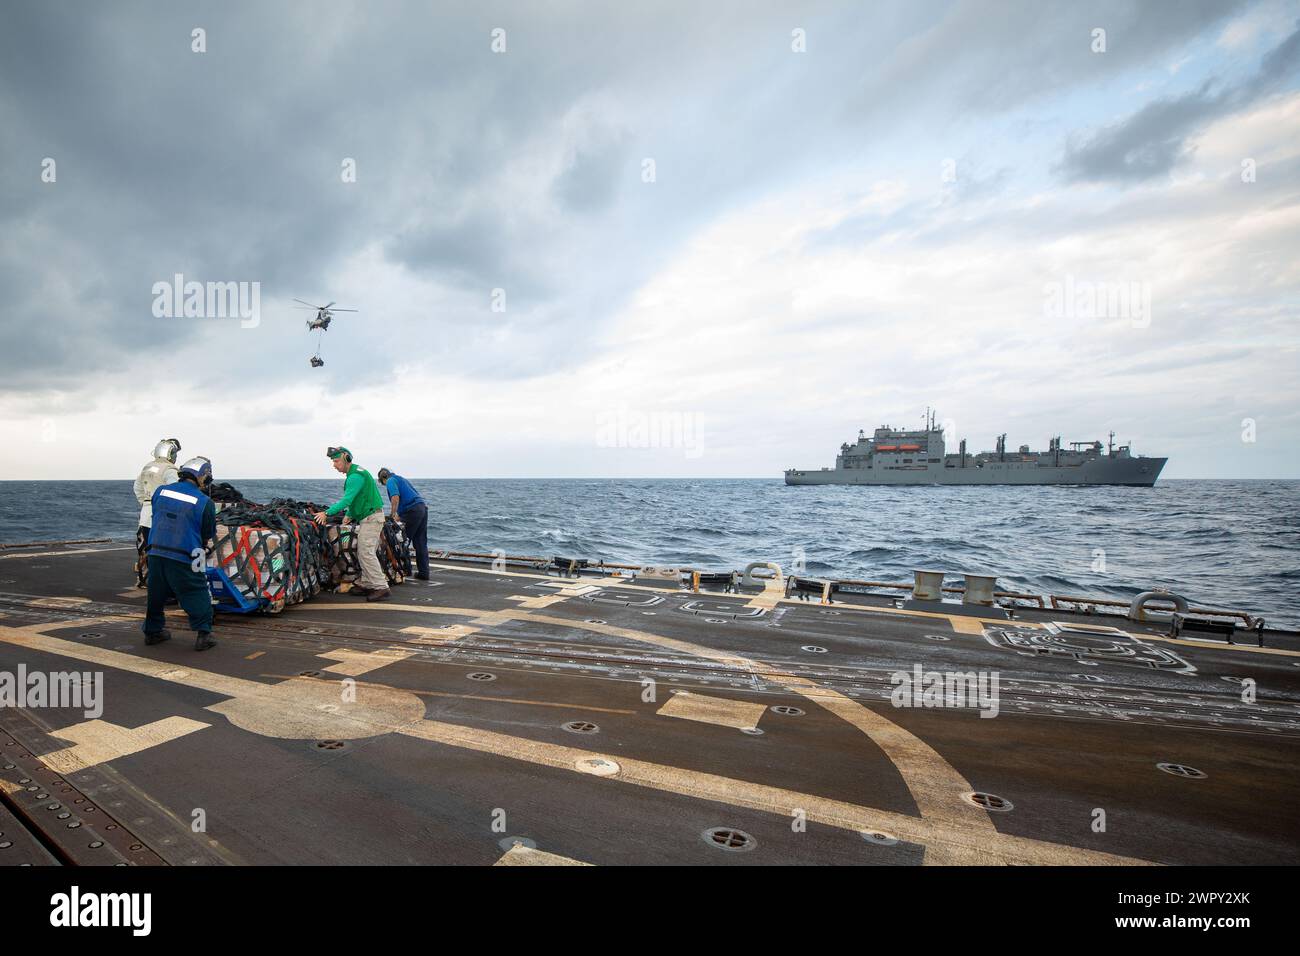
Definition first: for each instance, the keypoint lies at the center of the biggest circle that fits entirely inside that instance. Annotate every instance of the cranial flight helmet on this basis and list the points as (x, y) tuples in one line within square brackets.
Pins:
[(200, 469), (167, 448)]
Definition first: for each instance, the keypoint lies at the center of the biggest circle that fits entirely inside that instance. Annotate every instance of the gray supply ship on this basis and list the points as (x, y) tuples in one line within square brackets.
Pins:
[(894, 456)]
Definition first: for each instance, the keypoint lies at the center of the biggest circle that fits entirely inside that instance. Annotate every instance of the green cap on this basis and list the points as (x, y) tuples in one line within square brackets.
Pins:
[(335, 452)]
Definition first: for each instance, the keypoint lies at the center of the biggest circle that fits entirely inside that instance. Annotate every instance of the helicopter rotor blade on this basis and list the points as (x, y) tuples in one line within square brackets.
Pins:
[(308, 304)]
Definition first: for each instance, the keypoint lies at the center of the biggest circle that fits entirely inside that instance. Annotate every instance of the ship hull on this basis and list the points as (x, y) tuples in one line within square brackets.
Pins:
[(1133, 472)]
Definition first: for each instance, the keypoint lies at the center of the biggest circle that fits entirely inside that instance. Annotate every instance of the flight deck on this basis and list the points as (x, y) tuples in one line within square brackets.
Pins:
[(507, 715)]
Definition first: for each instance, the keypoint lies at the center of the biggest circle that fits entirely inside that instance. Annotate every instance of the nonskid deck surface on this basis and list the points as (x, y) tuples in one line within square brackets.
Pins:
[(490, 717)]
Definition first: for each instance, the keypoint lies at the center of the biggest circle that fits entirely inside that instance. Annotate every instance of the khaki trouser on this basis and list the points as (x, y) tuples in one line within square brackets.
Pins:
[(368, 532)]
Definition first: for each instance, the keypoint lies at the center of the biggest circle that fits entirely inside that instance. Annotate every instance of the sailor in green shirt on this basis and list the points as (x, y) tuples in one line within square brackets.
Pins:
[(365, 507)]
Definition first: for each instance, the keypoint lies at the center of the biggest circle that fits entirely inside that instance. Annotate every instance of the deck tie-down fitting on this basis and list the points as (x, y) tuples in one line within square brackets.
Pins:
[(1137, 611), (750, 581)]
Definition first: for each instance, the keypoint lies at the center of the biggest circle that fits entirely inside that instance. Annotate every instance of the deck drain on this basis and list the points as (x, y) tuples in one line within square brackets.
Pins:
[(988, 801), (752, 731), (649, 613), (330, 745), (309, 673), (729, 838), (879, 839), (715, 620), (813, 649), (1182, 770), (598, 766), (481, 676), (937, 637), (595, 620), (91, 635), (787, 710), (581, 727)]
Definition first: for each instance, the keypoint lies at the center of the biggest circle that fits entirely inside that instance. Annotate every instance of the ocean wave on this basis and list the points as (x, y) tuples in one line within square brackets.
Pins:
[(1222, 543)]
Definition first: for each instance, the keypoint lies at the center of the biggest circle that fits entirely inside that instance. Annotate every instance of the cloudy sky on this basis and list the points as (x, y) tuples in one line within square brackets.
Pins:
[(630, 240)]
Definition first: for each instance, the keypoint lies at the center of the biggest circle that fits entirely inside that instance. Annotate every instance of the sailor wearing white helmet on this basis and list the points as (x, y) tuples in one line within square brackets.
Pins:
[(161, 471)]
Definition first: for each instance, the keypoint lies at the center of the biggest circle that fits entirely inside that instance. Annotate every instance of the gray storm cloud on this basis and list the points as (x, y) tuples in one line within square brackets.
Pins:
[(225, 165), (523, 171), (1156, 138)]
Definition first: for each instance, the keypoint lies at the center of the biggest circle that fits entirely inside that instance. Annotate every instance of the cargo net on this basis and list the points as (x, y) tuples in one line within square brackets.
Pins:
[(275, 555), (343, 565)]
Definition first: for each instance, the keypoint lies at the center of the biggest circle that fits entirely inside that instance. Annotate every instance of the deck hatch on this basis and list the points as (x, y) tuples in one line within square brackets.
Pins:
[(1087, 647), (623, 598), (722, 609)]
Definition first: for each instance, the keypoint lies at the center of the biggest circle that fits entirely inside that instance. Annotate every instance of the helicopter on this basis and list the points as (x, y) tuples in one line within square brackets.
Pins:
[(324, 313)]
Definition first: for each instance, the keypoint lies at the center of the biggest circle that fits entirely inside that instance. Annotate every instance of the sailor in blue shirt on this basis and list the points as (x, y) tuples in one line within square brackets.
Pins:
[(410, 509), (184, 521)]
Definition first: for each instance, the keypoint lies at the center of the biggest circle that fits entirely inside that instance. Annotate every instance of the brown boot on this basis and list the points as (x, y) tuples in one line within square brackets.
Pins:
[(377, 595)]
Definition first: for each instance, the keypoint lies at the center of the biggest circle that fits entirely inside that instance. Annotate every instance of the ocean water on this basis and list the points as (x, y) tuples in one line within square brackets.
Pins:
[(1224, 543)]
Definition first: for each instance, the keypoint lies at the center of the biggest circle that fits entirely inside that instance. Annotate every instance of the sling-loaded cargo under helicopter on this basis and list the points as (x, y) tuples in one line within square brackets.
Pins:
[(324, 313)]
